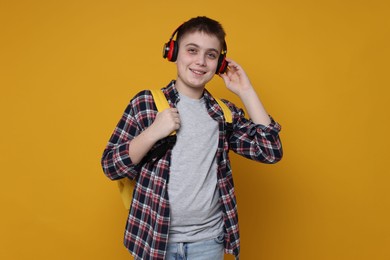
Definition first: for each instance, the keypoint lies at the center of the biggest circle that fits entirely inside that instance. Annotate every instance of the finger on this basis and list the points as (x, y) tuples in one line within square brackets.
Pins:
[(175, 114), (225, 78), (175, 111), (229, 59), (233, 67), (177, 125), (177, 120)]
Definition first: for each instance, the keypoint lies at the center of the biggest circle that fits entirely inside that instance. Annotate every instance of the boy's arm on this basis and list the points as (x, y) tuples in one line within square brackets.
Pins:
[(132, 138), (238, 82), (258, 138)]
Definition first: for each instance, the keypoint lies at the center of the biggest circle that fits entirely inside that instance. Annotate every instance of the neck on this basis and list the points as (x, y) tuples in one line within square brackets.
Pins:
[(191, 92)]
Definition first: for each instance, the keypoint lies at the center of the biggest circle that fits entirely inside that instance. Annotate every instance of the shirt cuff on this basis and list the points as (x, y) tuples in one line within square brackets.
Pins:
[(273, 128)]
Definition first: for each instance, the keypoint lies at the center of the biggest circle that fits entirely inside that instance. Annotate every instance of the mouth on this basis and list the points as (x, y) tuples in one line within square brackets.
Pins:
[(198, 72)]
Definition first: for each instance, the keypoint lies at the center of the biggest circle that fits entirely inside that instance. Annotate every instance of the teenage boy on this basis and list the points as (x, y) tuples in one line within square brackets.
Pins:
[(184, 206)]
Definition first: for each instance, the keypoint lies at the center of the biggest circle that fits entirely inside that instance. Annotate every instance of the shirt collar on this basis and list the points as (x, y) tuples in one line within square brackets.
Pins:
[(213, 108), (172, 93)]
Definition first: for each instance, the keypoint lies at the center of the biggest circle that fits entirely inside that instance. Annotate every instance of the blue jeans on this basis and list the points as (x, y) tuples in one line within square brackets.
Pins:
[(212, 249)]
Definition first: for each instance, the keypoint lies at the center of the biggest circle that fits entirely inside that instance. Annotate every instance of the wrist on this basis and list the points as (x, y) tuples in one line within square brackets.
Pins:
[(246, 92), (151, 134)]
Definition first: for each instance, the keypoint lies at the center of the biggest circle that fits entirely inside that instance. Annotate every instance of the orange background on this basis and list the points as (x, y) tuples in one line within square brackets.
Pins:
[(69, 68)]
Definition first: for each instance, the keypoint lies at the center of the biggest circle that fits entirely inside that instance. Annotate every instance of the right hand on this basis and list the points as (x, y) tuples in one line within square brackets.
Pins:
[(165, 123)]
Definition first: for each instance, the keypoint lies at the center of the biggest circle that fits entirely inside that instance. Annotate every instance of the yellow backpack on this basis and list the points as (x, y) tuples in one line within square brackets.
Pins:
[(125, 185)]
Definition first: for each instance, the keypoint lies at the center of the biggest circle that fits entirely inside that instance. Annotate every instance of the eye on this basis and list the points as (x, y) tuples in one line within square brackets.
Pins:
[(192, 50), (212, 55)]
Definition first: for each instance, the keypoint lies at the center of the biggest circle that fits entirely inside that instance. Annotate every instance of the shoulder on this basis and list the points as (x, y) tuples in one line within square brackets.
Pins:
[(236, 112), (141, 101), (232, 107), (142, 96)]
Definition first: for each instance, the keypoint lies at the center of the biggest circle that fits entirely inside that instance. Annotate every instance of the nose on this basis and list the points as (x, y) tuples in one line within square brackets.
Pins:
[(201, 60)]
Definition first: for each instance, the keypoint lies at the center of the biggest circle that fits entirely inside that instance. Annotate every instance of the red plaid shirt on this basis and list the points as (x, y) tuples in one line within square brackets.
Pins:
[(147, 228)]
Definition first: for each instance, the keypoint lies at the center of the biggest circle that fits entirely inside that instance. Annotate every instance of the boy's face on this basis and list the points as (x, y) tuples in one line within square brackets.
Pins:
[(197, 60)]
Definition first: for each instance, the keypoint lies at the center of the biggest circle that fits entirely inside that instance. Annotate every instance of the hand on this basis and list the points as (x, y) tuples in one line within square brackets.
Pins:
[(236, 79), (238, 82), (165, 123)]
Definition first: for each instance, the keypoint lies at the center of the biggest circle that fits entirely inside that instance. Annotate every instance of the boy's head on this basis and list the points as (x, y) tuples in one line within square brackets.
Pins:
[(200, 24)]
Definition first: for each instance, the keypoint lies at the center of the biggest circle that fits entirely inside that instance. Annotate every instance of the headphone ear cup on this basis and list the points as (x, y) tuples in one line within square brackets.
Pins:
[(165, 50), (222, 65), (170, 51), (175, 51)]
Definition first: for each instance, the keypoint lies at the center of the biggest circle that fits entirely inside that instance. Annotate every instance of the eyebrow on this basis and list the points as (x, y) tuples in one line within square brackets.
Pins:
[(197, 46)]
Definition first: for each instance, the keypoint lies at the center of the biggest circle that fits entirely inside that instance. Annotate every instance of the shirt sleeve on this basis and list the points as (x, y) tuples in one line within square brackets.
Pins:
[(255, 141), (116, 162)]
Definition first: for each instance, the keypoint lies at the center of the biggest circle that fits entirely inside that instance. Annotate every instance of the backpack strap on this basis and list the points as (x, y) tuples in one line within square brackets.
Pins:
[(126, 188), (162, 104), (226, 111), (161, 101)]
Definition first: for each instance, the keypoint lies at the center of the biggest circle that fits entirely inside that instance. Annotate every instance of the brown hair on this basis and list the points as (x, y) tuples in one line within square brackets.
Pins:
[(202, 24)]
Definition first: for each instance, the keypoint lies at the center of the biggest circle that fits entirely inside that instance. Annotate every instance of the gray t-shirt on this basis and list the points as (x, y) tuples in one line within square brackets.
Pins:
[(192, 187)]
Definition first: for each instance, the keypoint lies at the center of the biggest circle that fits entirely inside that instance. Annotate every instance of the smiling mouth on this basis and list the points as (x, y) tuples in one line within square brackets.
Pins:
[(197, 72)]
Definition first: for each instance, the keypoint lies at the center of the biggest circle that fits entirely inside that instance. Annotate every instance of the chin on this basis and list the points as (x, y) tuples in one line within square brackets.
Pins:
[(201, 82)]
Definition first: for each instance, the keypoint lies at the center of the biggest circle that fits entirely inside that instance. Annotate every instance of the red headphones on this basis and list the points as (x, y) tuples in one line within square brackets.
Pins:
[(171, 49)]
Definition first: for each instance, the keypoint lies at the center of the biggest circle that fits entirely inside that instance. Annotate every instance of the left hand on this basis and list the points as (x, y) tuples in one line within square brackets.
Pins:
[(236, 79)]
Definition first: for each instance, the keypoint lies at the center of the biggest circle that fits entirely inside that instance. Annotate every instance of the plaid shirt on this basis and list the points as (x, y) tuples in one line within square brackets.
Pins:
[(147, 228)]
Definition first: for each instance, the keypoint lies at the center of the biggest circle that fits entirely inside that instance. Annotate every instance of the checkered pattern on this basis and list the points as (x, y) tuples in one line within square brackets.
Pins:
[(147, 228)]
